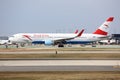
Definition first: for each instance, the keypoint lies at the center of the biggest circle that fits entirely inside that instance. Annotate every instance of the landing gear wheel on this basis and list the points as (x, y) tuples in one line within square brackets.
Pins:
[(60, 45), (22, 45)]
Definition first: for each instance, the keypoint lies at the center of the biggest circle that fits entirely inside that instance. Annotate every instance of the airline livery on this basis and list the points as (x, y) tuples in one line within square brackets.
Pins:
[(63, 38), (100, 34), (44, 38)]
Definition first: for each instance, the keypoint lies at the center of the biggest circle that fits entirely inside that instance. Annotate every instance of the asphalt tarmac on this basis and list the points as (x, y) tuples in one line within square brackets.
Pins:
[(60, 65), (57, 68)]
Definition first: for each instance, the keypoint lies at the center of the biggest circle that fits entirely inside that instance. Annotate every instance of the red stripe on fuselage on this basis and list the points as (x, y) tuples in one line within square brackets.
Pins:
[(28, 37), (100, 32)]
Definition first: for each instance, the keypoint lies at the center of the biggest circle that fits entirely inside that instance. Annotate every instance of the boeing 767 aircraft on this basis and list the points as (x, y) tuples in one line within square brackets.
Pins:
[(63, 38), (44, 38)]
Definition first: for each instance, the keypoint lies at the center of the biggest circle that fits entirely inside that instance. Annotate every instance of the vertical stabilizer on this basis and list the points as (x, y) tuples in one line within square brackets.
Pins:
[(104, 28)]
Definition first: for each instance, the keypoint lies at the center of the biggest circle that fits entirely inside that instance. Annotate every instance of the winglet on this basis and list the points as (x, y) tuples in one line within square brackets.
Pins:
[(80, 33), (76, 31)]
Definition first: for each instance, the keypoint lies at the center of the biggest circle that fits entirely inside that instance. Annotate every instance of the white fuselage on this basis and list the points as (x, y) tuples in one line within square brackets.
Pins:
[(42, 37)]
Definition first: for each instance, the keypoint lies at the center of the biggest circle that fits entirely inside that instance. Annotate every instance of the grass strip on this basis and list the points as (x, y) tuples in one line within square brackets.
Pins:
[(60, 75), (67, 56), (57, 49)]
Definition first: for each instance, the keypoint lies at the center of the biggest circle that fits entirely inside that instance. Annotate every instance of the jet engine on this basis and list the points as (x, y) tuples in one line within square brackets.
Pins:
[(49, 42)]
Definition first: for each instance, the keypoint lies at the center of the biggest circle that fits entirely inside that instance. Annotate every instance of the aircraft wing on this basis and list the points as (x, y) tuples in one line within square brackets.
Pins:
[(64, 39)]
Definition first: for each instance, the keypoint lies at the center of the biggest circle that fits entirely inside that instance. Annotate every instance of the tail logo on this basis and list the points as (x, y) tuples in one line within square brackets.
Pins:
[(104, 28)]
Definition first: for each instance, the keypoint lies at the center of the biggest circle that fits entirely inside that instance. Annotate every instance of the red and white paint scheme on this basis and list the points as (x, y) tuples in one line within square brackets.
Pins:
[(64, 38), (44, 38), (103, 29)]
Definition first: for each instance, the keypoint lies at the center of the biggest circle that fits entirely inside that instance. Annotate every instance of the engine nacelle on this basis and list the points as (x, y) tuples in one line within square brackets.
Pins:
[(49, 42)]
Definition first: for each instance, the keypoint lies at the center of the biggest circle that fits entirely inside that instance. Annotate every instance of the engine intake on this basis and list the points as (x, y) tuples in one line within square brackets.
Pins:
[(49, 42)]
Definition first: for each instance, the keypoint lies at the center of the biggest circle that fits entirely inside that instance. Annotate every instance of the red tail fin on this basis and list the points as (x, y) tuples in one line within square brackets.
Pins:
[(103, 29)]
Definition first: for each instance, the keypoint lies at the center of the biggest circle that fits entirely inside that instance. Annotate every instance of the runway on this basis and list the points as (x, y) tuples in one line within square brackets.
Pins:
[(60, 65), (57, 68), (54, 63)]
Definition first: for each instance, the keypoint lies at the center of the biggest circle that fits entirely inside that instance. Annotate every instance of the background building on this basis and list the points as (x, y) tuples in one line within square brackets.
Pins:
[(116, 37), (3, 37)]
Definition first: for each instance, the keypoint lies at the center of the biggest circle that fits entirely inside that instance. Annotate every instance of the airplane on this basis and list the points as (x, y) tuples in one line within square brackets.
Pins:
[(108, 41), (44, 38), (61, 38)]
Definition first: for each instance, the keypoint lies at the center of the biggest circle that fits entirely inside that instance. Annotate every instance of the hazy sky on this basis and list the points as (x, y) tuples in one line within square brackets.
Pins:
[(57, 15)]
